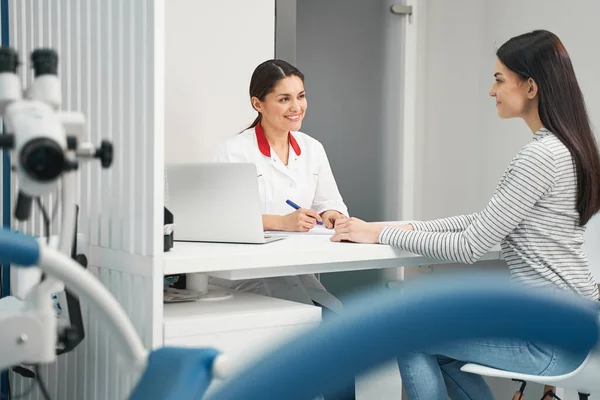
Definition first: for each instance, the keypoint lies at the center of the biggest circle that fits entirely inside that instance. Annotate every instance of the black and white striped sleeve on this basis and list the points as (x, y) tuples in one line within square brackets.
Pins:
[(530, 176), (450, 224)]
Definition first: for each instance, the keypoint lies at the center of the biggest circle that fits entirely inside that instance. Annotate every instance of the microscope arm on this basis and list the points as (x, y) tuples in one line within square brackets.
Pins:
[(37, 316)]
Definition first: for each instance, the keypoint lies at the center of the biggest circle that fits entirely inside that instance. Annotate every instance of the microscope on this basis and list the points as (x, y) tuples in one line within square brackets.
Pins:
[(38, 133), (46, 147)]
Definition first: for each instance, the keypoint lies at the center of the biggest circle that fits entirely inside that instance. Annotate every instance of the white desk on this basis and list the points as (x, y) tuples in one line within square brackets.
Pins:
[(294, 255)]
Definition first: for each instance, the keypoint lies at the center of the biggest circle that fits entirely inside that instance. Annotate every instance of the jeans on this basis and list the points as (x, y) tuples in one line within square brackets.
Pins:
[(436, 374)]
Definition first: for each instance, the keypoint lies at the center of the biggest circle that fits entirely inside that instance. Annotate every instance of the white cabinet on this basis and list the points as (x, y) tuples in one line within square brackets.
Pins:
[(244, 325)]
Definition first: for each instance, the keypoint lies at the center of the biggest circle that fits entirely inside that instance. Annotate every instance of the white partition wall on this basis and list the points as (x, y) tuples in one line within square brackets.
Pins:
[(211, 50), (111, 66)]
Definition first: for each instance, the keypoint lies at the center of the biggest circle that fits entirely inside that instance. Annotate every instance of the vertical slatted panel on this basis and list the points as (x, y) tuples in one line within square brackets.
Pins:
[(76, 97), (109, 378), (114, 390), (102, 357), (106, 60), (96, 112), (106, 66), (92, 337), (128, 305), (129, 89), (67, 385), (118, 126)]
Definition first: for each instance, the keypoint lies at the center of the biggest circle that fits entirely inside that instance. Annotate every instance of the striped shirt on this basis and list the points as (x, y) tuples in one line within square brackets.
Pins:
[(532, 215)]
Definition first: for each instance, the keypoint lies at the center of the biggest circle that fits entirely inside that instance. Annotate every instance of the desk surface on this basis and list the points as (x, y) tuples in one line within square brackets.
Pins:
[(294, 255)]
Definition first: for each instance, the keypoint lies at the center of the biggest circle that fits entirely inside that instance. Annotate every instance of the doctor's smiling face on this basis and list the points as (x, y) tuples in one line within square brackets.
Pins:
[(283, 109), (515, 95)]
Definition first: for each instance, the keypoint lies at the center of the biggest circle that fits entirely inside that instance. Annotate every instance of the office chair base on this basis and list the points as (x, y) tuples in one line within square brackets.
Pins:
[(519, 393)]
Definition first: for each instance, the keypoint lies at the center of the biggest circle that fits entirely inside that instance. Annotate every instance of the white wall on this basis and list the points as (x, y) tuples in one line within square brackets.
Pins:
[(566, 19), (465, 147), (211, 50), (345, 91)]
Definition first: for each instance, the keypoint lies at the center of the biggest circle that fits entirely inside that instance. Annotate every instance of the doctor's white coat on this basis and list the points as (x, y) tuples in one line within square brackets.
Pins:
[(308, 181)]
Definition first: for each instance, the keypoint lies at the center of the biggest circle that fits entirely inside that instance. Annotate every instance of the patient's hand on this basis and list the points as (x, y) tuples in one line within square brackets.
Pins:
[(330, 217), (356, 230), (301, 220)]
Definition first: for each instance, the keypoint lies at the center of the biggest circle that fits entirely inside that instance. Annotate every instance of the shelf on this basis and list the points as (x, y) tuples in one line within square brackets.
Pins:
[(241, 311)]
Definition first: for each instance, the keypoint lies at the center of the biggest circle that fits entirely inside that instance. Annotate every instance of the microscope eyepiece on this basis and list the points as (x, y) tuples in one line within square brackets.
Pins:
[(9, 60), (45, 62)]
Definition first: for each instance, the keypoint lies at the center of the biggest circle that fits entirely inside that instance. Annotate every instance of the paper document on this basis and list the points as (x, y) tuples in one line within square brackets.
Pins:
[(321, 230), (317, 230)]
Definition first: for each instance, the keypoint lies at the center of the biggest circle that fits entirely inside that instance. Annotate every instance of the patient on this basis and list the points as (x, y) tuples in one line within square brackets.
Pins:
[(540, 209)]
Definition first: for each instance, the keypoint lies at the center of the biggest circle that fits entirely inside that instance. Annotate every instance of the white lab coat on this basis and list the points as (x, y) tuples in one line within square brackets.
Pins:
[(308, 181)]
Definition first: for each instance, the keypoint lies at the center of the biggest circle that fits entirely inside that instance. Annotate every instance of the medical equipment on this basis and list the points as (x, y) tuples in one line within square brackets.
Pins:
[(40, 136), (46, 148), (28, 336)]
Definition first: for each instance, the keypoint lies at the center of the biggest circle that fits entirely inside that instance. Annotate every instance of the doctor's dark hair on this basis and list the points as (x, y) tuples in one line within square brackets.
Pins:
[(265, 78), (541, 56)]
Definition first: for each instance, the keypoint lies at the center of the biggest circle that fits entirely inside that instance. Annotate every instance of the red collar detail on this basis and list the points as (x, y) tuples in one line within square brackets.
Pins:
[(294, 144), (265, 147)]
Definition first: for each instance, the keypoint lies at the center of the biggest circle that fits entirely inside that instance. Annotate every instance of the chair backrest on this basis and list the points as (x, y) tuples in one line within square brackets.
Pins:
[(380, 326)]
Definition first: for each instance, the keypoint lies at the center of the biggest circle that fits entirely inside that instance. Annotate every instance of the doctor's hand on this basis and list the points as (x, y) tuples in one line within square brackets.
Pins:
[(330, 217), (301, 220), (356, 230)]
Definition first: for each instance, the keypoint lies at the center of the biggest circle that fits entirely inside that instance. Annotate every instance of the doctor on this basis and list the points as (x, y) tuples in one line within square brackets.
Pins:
[(291, 166)]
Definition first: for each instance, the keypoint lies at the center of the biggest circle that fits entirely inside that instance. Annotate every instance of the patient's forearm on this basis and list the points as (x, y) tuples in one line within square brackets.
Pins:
[(407, 227)]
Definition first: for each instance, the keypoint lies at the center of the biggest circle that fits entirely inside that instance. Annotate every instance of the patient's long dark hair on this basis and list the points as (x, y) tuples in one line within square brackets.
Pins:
[(541, 56), (265, 78)]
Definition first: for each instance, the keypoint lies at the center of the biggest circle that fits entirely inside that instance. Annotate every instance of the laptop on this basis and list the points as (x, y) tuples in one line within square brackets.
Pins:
[(215, 202)]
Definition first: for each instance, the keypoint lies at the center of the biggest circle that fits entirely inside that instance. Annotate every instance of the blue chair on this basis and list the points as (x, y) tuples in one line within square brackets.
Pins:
[(377, 327)]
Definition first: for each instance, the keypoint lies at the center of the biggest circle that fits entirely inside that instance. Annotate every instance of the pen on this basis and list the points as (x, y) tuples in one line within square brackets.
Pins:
[(297, 207)]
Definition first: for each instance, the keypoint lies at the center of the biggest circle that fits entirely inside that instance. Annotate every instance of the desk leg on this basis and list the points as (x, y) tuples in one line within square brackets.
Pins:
[(383, 382), (197, 282), (393, 277)]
